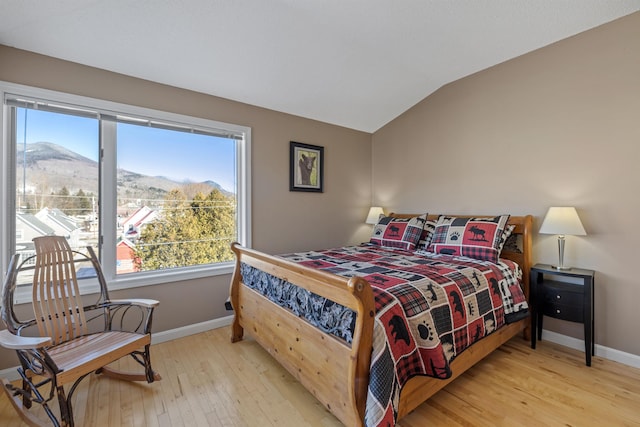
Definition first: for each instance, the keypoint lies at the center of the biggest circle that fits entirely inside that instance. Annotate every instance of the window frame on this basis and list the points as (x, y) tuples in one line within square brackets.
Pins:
[(108, 187)]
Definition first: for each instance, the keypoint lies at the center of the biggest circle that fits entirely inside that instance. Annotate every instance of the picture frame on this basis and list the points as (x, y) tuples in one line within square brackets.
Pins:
[(306, 167)]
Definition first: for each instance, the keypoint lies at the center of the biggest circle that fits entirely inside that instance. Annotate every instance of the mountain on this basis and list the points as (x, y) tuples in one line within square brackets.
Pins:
[(217, 186), (42, 151), (50, 167)]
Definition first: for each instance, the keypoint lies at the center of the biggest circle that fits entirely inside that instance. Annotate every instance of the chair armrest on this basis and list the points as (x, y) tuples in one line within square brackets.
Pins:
[(148, 303), (16, 342)]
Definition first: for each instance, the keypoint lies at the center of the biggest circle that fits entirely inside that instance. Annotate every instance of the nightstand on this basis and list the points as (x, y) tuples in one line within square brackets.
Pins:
[(550, 296)]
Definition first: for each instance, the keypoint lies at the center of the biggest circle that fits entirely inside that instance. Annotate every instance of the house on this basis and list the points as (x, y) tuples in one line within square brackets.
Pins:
[(553, 127), (29, 226), (62, 224), (125, 257), (133, 224)]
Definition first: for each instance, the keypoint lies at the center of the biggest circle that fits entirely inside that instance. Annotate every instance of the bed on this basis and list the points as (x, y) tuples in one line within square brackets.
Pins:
[(341, 371)]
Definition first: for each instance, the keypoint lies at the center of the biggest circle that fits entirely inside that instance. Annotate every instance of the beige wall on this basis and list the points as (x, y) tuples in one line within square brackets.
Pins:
[(559, 126), (282, 221)]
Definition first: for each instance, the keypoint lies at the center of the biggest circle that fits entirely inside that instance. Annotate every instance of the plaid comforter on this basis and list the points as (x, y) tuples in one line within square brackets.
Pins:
[(429, 308)]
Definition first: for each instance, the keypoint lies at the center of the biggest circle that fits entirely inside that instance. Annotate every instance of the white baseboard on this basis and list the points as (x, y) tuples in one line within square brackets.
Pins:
[(159, 337), (185, 331), (601, 351)]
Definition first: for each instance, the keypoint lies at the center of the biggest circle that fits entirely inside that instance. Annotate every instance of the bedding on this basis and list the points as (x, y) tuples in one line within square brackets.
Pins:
[(429, 308), (427, 234), (403, 233), (479, 238)]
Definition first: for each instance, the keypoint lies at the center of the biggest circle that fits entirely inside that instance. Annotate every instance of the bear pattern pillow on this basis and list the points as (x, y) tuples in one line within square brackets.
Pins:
[(398, 233), (477, 238)]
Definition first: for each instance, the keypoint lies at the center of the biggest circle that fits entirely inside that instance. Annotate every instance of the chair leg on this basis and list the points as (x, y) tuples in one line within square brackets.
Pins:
[(17, 397), (151, 376), (26, 386), (66, 412)]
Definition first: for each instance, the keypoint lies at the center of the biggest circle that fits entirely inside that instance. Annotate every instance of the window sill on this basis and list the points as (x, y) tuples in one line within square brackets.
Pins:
[(134, 280)]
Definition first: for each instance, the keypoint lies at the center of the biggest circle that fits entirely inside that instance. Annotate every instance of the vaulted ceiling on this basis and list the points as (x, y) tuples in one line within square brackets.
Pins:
[(354, 63)]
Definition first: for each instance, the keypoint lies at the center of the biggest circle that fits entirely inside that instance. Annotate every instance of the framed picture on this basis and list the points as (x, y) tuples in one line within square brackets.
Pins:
[(305, 168)]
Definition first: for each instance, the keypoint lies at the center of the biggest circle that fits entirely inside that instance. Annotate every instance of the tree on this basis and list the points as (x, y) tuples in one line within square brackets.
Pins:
[(188, 232), (63, 200), (217, 214), (82, 202)]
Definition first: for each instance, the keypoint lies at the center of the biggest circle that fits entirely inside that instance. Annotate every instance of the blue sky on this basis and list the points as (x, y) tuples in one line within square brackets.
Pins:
[(149, 151)]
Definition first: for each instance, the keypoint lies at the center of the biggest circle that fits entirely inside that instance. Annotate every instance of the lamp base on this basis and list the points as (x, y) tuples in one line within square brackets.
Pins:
[(561, 268)]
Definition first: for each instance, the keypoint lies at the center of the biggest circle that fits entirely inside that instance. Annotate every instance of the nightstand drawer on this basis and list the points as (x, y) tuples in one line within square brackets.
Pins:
[(563, 301), (573, 313), (560, 295)]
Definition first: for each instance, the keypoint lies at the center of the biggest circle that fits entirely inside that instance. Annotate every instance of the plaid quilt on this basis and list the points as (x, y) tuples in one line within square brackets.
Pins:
[(429, 308)]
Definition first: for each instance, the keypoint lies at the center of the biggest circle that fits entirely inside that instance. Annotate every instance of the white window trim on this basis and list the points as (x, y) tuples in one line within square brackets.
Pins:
[(108, 231)]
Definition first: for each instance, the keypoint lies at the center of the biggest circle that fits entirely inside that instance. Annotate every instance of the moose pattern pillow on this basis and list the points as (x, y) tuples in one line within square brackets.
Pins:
[(477, 238), (398, 233)]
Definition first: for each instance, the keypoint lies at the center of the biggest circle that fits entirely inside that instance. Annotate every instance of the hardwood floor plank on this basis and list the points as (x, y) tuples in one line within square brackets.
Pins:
[(207, 381)]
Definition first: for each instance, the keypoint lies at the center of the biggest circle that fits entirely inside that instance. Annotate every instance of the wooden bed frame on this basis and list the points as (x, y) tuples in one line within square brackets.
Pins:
[(336, 373)]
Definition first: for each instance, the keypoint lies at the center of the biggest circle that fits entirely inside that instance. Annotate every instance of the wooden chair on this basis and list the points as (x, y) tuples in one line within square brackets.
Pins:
[(68, 340)]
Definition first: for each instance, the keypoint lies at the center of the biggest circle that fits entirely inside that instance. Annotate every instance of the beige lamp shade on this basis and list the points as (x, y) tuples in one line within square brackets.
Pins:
[(562, 221), (374, 214)]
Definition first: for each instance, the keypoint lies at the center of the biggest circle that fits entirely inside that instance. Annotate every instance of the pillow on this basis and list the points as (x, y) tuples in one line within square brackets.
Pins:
[(512, 245), (505, 236), (401, 233), (477, 238), (427, 235)]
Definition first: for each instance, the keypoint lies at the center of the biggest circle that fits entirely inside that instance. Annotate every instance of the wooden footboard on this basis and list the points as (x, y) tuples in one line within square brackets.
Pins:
[(337, 374)]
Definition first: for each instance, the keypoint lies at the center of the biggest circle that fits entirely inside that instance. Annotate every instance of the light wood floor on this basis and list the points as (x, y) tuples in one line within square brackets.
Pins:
[(207, 381)]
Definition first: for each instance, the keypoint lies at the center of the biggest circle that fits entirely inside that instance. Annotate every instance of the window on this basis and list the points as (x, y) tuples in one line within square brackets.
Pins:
[(160, 196), (176, 197)]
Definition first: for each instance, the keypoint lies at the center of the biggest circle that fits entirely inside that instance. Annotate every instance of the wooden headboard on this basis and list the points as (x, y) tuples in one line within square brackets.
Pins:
[(524, 227)]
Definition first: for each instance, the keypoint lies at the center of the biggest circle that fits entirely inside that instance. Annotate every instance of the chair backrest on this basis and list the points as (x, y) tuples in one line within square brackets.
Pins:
[(56, 299)]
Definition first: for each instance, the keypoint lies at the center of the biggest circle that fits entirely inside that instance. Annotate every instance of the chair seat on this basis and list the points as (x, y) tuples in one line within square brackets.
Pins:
[(91, 352)]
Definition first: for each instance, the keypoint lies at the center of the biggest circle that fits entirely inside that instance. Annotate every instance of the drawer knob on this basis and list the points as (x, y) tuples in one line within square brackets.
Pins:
[(557, 296), (558, 311)]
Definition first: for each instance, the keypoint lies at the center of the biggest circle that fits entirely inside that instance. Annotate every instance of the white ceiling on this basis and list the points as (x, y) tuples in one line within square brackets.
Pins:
[(354, 63)]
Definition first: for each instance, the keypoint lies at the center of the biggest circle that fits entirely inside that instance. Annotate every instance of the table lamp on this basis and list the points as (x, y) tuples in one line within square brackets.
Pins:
[(374, 215), (562, 221)]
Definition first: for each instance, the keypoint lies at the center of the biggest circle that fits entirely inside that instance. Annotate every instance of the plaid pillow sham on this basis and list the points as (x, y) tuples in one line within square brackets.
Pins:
[(427, 235), (478, 238), (508, 230), (398, 233)]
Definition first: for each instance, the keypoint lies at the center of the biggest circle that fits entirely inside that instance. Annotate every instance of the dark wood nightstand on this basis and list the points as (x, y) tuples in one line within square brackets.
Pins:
[(562, 300)]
